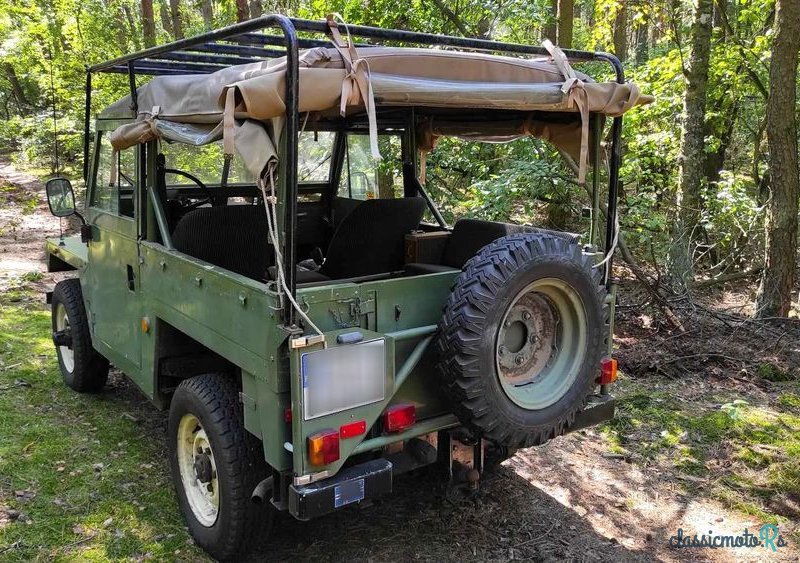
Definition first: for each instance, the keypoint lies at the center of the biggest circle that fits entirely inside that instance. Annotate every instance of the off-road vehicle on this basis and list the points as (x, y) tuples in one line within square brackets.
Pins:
[(260, 256)]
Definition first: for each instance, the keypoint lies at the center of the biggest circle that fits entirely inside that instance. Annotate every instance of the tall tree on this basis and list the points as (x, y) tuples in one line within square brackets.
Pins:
[(566, 13), (777, 281), (242, 11), (621, 31), (207, 12), (148, 23), (256, 8), (175, 16), (549, 30), (691, 174)]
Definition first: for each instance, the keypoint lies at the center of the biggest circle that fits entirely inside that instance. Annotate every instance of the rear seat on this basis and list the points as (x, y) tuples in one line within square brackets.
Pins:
[(234, 237), (469, 236)]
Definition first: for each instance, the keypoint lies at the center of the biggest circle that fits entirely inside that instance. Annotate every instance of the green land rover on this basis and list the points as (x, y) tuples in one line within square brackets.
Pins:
[(259, 254)]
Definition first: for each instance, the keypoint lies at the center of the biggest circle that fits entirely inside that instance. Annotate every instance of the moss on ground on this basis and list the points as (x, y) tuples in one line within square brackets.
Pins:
[(81, 477), (750, 453)]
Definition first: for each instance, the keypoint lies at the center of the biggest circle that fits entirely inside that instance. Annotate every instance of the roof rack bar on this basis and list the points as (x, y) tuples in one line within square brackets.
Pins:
[(263, 39), (224, 33), (147, 71), (181, 56), (239, 50), (450, 41)]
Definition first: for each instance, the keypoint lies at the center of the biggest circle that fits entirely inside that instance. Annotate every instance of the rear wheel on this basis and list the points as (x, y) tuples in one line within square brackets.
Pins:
[(216, 464), (82, 367), (522, 337)]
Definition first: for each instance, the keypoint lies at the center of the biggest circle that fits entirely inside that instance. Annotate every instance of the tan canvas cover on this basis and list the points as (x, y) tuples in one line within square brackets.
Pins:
[(343, 78)]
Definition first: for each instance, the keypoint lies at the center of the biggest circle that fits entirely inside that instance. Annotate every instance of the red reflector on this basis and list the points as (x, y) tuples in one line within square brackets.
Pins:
[(353, 429), (287, 414), (399, 417), (608, 371), (323, 447)]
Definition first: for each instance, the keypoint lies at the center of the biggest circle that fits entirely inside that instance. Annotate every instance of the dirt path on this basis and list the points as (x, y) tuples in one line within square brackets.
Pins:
[(577, 498)]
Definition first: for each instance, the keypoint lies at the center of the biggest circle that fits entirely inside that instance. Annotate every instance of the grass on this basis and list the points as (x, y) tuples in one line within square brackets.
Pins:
[(744, 455), (82, 477)]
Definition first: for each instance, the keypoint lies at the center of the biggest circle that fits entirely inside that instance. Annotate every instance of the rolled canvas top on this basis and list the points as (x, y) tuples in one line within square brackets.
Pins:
[(340, 78)]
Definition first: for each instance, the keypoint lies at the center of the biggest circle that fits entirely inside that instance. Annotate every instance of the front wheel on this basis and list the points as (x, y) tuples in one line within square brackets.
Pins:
[(215, 466), (83, 369)]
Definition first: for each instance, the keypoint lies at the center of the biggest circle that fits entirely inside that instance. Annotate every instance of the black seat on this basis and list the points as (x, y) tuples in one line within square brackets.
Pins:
[(469, 236), (234, 237), (370, 238)]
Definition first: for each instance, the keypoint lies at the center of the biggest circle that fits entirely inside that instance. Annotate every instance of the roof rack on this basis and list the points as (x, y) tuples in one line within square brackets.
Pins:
[(246, 42)]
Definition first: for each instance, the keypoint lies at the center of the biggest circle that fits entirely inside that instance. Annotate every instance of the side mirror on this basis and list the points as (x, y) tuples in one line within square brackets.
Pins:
[(60, 197)]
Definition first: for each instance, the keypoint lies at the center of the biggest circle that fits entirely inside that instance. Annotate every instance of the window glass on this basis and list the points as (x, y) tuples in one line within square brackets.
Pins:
[(314, 151), (366, 178), (116, 198), (205, 162)]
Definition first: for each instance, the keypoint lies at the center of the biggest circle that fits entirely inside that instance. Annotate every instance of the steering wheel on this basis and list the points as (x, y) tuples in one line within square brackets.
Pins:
[(209, 197)]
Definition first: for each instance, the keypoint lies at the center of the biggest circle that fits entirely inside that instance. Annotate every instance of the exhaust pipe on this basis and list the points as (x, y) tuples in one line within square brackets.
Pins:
[(262, 491)]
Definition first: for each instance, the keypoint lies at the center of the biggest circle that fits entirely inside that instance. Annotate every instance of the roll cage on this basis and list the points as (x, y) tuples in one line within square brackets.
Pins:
[(241, 44)]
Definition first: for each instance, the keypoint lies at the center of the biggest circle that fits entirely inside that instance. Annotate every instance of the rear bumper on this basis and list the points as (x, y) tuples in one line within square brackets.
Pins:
[(599, 409), (372, 479), (351, 485)]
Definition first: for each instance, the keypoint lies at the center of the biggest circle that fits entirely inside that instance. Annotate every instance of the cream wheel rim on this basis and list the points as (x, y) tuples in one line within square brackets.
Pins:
[(66, 352), (198, 470)]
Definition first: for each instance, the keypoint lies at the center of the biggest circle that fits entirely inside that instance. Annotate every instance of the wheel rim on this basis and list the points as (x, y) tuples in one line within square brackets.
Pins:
[(62, 324), (198, 470), (540, 345)]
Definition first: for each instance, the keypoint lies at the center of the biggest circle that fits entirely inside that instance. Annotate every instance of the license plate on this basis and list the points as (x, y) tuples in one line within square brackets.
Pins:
[(349, 492)]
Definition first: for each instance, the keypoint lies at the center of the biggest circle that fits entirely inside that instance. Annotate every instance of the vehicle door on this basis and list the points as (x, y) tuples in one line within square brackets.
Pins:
[(110, 283)]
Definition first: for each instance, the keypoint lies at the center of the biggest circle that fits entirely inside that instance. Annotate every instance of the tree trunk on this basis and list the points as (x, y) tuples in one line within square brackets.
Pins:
[(642, 45), (621, 32), (132, 27), (566, 13), (175, 16), (691, 175), (549, 30), (163, 13), (242, 11), (148, 23), (256, 9), (207, 12), (16, 87), (775, 291)]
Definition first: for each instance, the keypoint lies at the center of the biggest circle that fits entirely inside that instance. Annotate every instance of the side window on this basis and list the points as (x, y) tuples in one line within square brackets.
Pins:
[(314, 156), (116, 197), (364, 178)]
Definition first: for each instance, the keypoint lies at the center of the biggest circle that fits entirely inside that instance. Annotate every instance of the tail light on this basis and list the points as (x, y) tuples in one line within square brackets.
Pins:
[(608, 371), (323, 447), (399, 417), (353, 429)]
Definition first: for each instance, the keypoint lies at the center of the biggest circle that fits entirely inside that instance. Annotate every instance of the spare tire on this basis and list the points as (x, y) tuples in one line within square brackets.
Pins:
[(522, 337)]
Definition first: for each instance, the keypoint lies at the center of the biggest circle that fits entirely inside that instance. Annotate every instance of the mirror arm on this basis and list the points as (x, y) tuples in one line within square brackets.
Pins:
[(83, 221)]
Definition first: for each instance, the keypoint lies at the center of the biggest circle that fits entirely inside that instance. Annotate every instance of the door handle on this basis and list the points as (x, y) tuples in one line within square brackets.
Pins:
[(131, 278)]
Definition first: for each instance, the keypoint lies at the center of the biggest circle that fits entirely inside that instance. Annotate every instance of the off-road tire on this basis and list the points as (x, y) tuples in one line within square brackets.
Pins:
[(467, 332), (241, 525), (89, 372)]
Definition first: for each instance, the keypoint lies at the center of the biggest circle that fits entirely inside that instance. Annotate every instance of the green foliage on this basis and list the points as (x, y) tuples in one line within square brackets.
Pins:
[(45, 45)]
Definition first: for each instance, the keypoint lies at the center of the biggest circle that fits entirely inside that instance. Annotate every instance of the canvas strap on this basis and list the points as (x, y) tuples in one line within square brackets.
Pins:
[(356, 86), (229, 122), (577, 97)]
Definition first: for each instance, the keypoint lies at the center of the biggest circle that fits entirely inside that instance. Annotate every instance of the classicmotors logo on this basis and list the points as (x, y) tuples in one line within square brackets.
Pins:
[(768, 537)]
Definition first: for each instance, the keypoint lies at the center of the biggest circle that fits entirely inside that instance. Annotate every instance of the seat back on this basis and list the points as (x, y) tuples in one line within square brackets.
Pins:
[(470, 235), (234, 237), (369, 239)]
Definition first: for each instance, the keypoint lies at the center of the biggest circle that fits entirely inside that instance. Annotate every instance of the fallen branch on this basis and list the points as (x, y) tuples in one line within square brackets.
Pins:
[(728, 278)]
